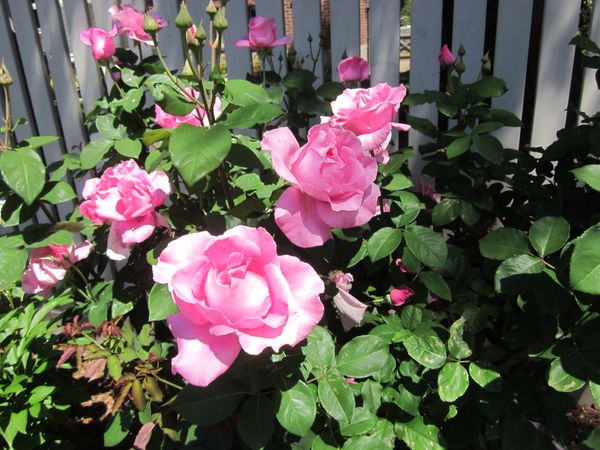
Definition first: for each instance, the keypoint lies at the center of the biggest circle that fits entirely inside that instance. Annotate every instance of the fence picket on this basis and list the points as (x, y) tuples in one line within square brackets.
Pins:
[(513, 31), (468, 28), (554, 71), (307, 22), (426, 37), (590, 95), (238, 59), (345, 31)]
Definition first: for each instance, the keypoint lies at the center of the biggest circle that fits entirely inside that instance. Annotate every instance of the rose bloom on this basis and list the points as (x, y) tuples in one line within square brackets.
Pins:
[(48, 265), (197, 117), (446, 57), (130, 21), (332, 181), (401, 295), (125, 196), (370, 113), (353, 68), (235, 292), (101, 41), (262, 33)]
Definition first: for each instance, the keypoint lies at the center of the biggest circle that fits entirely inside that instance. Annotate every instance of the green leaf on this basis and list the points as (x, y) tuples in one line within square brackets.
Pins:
[(114, 367), (244, 93), (105, 125), (172, 102), (507, 118), (428, 246), (445, 211), (453, 381), (516, 266), (489, 147), (24, 172), (129, 77), (248, 116), (196, 152), (365, 442), (383, 242), (486, 127), (330, 90), (549, 234), (458, 146), (297, 410), (118, 429), (160, 303), (589, 174), (93, 152), (595, 390), (460, 341), (255, 421), (131, 100), (208, 405), (16, 424), (320, 349), (43, 236), (60, 192), (418, 436), (359, 255), (489, 87), (436, 284), (38, 141), (363, 356), (130, 148), (398, 182), (585, 264), (119, 308), (429, 351), (485, 376), (152, 136), (12, 263), (337, 398), (411, 207), (503, 243), (40, 393), (299, 80), (585, 43), (98, 313), (563, 381)]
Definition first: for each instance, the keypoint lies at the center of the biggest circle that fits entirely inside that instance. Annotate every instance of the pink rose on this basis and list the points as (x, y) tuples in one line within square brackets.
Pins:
[(446, 57), (401, 265), (370, 113), (353, 68), (332, 181), (102, 43), (197, 117), (130, 21), (234, 292), (427, 188), (125, 196), (350, 309), (48, 265), (401, 295), (262, 33)]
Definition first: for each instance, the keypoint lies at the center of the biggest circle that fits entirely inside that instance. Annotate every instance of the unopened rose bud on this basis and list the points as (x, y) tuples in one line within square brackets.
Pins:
[(5, 78), (310, 38), (150, 24), (184, 19), (459, 67), (461, 51), (190, 37), (187, 70), (211, 9), (486, 64), (201, 33), (220, 22)]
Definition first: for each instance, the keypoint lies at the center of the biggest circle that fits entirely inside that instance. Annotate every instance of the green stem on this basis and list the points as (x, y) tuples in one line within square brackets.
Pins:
[(8, 118), (47, 212), (223, 177), (167, 382), (209, 112), (218, 66)]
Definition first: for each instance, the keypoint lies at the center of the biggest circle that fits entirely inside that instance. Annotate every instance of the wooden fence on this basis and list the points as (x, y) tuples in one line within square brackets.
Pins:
[(57, 80)]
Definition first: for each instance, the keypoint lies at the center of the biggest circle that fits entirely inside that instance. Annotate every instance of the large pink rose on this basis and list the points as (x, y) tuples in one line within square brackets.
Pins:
[(234, 292), (197, 117), (101, 41), (353, 68), (125, 196), (370, 114), (130, 21), (332, 183), (48, 265), (262, 33)]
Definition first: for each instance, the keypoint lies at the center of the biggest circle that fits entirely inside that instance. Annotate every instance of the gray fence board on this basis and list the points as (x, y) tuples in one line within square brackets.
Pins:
[(345, 21), (307, 21)]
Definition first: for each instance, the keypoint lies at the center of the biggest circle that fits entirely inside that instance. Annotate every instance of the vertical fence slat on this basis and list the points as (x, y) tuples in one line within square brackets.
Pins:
[(426, 36), (169, 37), (274, 8), (61, 70), (91, 86), (590, 95), (554, 71), (384, 54), (511, 53), (238, 59), (18, 90), (468, 28), (38, 83), (345, 31), (307, 21)]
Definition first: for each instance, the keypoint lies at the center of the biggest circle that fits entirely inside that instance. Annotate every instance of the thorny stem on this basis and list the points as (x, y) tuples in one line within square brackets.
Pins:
[(8, 118), (48, 213), (264, 68), (198, 77)]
